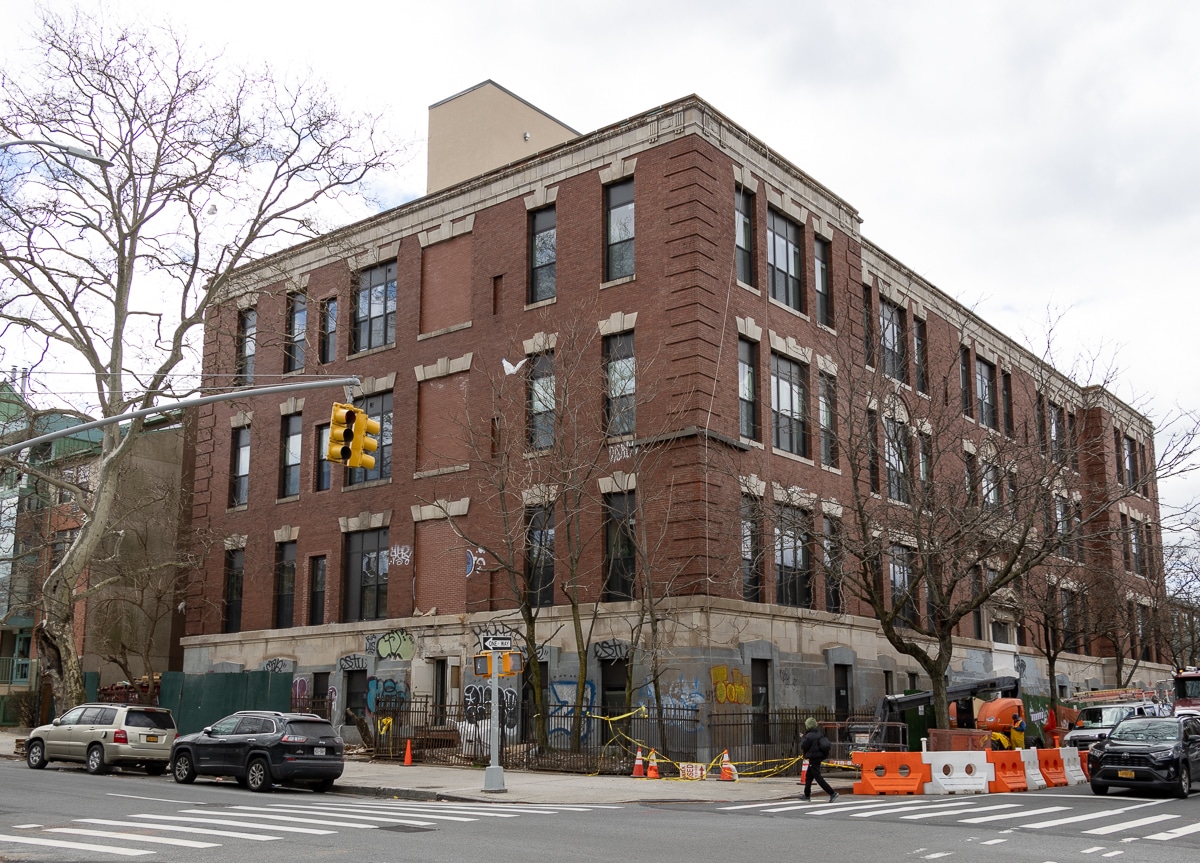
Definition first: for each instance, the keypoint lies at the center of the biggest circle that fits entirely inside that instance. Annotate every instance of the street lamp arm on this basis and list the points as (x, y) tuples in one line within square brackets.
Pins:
[(69, 149)]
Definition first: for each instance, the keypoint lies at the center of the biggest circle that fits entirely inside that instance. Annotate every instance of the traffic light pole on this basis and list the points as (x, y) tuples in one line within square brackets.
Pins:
[(493, 775), (188, 403)]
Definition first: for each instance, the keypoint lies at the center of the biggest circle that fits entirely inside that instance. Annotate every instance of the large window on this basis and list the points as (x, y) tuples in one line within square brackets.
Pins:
[(925, 466), (366, 576), (375, 308), (902, 585), (1006, 401), (620, 555), (789, 398), (618, 200), (985, 393), (285, 584), (316, 592), (868, 323), (543, 254), (247, 337), (893, 343), (379, 408), (323, 472), (540, 401), (239, 468), (793, 565), (896, 456), (297, 324), (1058, 433), (329, 313), (752, 551), (872, 448), (990, 479), (964, 380), (620, 372), (920, 356), (785, 260), (821, 272), (1129, 462), (235, 568), (744, 243), (289, 456), (827, 406), (539, 555), (748, 389)]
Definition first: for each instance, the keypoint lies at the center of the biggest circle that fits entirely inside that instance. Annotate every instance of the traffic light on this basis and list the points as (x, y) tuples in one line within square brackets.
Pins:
[(483, 665), (513, 663), (341, 433), (364, 442)]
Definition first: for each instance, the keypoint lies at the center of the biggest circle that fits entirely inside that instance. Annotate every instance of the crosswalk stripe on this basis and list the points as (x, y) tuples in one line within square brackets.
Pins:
[(76, 846), (382, 819), (234, 823), (939, 814), (259, 812), (134, 837), (437, 816), (905, 808), (178, 828), (479, 813), (1129, 825), (1090, 816), (835, 808), (1177, 832), (1023, 814)]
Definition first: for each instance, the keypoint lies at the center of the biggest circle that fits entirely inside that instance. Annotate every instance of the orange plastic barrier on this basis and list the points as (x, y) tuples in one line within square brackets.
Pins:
[(1083, 763), (1009, 770), (891, 773), (1053, 771)]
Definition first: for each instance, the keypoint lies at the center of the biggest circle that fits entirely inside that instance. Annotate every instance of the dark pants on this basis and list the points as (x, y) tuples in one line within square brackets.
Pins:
[(814, 772)]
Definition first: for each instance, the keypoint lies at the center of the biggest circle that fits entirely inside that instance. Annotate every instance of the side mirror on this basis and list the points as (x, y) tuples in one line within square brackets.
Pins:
[(208, 730), (57, 722)]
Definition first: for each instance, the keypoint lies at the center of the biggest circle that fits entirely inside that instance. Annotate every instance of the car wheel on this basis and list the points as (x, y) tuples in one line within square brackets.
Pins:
[(35, 754), (1099, 788), (323, 786), (155, 768), (95, 760), (258, 774), (182, 768), (1184, 786)]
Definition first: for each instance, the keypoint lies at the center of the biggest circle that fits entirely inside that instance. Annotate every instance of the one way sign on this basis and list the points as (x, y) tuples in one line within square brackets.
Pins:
[(497, 642)]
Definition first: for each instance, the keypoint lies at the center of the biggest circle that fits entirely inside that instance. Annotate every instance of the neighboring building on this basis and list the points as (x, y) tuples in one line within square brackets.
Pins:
[(723, 296), (18, 670)]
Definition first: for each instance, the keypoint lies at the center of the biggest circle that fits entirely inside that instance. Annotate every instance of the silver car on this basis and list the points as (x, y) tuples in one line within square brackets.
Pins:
[(105, 735)]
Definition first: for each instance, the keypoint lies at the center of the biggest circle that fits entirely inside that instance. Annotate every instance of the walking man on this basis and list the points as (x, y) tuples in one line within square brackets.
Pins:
[(815, 747)]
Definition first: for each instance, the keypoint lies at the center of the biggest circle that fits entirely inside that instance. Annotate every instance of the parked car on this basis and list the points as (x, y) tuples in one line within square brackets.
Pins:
[(1160, 752), (1096, 722), (260, 748), (105, 735)]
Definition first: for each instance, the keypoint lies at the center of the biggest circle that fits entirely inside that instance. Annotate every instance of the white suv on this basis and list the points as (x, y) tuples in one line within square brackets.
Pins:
[(1094, 723), (105, 735)]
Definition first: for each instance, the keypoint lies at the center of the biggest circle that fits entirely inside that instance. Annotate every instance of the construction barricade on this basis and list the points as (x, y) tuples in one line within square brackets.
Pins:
[(1072, 760), (1050, 762), (891, 773), (1033, 771), (955, 772), (1006, 772)]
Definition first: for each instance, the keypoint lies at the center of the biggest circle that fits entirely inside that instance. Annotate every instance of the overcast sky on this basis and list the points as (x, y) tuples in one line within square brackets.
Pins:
[(1034, 160)]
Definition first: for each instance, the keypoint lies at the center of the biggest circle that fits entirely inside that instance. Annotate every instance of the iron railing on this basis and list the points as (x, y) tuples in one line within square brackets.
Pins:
[(18, 672)]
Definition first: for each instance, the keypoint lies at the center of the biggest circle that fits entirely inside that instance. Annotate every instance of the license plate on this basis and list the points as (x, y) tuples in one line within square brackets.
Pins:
[(318, 750), (151, 738), (1125, 774)]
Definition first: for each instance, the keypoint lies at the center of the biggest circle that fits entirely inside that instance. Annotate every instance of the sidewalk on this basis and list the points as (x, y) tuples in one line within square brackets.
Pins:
[(422, 782)]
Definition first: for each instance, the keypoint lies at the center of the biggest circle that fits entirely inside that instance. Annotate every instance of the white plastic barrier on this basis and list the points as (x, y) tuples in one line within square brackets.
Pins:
[(1072, 765), (956, 772), (1033, 770)]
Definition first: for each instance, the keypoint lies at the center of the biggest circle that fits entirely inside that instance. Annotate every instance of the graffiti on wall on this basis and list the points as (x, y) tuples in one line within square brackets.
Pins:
[(730, 686), (278, 665), (679, 693), (561, 696), (477, 704), (611, 650), (400, 555), (354, 662), (299, 689), (385, 688), (397, 644)]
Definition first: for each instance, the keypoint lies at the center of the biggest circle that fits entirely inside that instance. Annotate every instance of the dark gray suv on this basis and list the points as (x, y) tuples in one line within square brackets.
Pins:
[(1160, 752), (261, 748)]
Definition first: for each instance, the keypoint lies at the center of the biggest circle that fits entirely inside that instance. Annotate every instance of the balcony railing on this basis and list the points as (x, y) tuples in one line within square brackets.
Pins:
[(17, 672)]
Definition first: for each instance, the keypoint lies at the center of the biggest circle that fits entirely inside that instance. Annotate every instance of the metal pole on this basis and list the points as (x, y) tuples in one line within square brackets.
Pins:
[(493, 776), (187, 403)]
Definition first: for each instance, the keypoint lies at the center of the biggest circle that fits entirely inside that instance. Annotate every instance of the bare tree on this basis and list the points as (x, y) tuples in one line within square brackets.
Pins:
[(110, 271)]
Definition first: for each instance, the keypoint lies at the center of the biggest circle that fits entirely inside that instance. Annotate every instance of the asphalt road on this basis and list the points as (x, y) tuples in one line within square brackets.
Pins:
[(64, 815)]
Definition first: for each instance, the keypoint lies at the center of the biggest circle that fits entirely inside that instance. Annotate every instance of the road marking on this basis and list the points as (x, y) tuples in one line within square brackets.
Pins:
[(957, 803), (1090, 816), (1112, 854), (350, 813), (259, 812), (827, 809), (157, 799), (234, 823), (1092, 850), (178, 828), (1177, 832), (937, 854), (921, 815), (986, 818), (135, 837), (1128, 825), (77, 846), (993, 842)]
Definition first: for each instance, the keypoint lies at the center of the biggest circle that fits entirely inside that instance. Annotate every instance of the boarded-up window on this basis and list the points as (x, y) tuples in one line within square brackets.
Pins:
[(446, 284)]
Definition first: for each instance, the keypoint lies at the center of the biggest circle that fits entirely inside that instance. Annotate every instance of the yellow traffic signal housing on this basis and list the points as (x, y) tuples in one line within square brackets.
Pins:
[(483, 665), (341, 433), (513, 663), (365, 442)]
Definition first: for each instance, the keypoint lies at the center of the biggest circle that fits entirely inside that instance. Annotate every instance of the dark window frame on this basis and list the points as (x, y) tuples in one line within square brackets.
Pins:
[(620, 391), (235, 576), (247, 345), (329, 314), (543, 255), (893, 340), (285, 584), (291, 453), (786, 279), (374, 312), (318, 575), (539, 555), (239, 467), (822, 284), (365, 578), (748, 424), (541, 402), (793, 556), (296, 325), (743, 248), (789, 416), (620, 231), (620, 548), (379, 407)]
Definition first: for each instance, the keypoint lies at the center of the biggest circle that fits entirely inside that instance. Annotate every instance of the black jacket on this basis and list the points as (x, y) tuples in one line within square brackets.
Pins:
[(814, 745)]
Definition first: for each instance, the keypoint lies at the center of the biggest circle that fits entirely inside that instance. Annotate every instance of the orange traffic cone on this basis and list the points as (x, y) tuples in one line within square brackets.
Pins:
[(804, 773), (639, 766), (652, 772), (727, 772), (408, 753)]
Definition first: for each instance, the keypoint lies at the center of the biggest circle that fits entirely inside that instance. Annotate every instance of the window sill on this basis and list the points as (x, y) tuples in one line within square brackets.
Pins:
[(621, 281), (748, 287), (615, 440), (793, 456), (443, 331), (441, 471), (780, 305), (294, 372), (749, 441), (374, 483), (241, 507), (288, 499), (827, 328), (541, 304), (370, 352), (831, 469)]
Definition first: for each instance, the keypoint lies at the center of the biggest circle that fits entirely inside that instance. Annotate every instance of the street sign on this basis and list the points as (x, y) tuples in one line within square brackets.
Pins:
[(497, 642)]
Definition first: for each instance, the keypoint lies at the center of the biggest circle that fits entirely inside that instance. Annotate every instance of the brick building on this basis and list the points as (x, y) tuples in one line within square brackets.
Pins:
[(653, 361)]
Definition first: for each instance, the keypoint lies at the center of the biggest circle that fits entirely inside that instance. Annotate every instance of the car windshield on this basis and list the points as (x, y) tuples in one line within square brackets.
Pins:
[(1147, 731), (310, 729), (1102, 717), (150, 719)]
